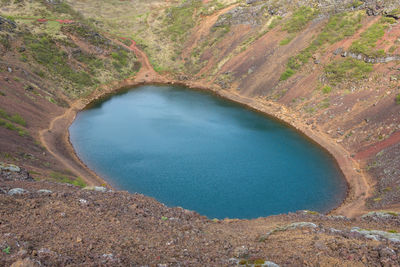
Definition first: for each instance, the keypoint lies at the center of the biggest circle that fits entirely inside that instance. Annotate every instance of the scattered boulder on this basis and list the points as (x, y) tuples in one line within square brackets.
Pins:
[(96, 188), (241, 252), (11, 172), (45, 191), (377, 234), (9, 167), (17, 191)]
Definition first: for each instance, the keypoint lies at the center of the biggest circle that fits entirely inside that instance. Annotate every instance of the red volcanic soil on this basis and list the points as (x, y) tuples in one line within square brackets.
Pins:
[(375, 148)]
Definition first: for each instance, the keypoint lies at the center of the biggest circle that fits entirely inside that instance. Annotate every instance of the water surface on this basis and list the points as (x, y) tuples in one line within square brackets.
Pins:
[(191, 149)]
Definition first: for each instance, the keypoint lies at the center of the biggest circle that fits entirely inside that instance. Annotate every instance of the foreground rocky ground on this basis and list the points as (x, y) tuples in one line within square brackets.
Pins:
[(52, 224)]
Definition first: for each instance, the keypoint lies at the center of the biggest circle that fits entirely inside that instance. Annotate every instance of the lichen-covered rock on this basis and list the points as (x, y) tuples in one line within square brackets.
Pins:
[(377, 234), (96, 188), (9, 167), (45, 191), (17, 191), (11, 172)]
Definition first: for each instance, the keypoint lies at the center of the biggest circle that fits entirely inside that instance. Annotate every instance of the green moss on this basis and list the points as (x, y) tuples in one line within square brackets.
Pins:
[(356, 3), (287, 74), (367, 42), (275, 22), (7, 250), (287, 40), (63, 178), (348, 69), (179, 19), (326, 89), (300, 19), (398, 99), (46, 52), (18, 119)]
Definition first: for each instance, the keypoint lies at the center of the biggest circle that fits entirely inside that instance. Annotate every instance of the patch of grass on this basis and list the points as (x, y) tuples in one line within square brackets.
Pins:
[(326, 89), (397, 99), (12, 127), (338, 27), (367, 42), (121, 57), (275, 22), (287, 40), (14, 118), (62, 178), (356, 3), (18, 119), (7, 250), (287, 74), (348, 69), (45, 51), (300, 19), (179, 19)]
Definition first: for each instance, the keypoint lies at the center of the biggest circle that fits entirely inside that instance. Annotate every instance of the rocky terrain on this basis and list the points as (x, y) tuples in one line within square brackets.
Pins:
[(329, 68), (48, 224)]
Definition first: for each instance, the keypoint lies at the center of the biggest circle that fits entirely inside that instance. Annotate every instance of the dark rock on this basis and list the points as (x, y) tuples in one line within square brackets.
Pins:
[(338, 51), (7, 25)]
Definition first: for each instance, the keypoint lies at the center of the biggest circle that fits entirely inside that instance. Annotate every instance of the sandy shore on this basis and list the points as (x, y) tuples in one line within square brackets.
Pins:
[(56, 137)]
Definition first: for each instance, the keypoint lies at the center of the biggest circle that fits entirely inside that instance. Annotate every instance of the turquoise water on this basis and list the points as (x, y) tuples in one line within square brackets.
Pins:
[(191, 149)]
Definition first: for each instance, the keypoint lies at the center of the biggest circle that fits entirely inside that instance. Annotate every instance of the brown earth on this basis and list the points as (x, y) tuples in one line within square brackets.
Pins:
[(121, 229), (117, 228)]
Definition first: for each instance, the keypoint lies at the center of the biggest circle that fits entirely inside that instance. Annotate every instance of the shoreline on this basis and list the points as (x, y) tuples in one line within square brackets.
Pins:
[(57, 141)]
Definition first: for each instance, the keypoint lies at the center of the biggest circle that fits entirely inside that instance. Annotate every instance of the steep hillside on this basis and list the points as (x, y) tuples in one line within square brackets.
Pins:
[(329, 68)]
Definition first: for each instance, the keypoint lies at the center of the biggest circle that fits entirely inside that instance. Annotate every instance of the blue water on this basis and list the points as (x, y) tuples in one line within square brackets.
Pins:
[(191, 149)]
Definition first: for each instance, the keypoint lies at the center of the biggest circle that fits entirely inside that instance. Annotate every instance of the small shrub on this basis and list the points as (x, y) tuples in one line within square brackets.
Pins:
[(398, 99), (7, 250), (326, 89)]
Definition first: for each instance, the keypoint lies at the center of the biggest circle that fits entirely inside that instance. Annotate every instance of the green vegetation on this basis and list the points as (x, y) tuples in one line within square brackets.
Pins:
[(46, 52), (179, 19), (287, 74), (356, 3), (287, 40), (326, 89), (12, 127), (299, 19), (7, 250), (211, 7), (62, 178), (275, 21), (347, 69), (14, 118), (120, 58), (398, 99), (18, 119), (338, 27), (367, 42)]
